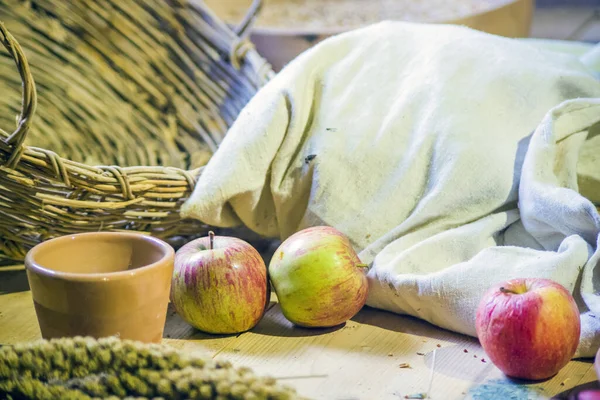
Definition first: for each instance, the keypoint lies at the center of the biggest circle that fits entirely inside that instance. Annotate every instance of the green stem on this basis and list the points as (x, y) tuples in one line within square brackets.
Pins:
[(507, 291)]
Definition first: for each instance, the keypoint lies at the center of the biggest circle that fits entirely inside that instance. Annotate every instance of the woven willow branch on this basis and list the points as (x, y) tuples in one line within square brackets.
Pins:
[(29, 100), (134, 97)]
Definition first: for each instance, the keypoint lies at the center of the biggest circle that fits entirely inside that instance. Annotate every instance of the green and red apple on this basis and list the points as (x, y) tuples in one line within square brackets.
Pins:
[(529, 328), (219, 284), (318, 278)]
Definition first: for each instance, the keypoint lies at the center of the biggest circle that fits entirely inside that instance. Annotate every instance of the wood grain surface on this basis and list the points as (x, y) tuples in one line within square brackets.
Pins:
[(375, 356)]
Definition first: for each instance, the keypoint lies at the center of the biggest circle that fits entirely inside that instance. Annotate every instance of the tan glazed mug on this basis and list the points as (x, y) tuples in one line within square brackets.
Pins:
[(101, 284)]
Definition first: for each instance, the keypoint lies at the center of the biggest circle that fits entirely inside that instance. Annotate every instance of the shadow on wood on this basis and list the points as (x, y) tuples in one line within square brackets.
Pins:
[(404, 324), (177, 328), (13, 281), (572, 393), (275, 324)]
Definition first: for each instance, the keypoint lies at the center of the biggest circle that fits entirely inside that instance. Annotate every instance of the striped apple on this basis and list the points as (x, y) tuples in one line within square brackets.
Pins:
[(529, 328), (318, 278), (219, 284)]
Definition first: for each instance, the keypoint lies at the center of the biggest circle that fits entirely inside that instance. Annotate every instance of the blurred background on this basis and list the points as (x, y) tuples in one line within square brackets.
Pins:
[(567, 20), (285, 28)]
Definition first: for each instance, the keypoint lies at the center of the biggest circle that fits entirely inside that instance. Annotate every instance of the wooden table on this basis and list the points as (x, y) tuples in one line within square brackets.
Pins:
[(375, 356)]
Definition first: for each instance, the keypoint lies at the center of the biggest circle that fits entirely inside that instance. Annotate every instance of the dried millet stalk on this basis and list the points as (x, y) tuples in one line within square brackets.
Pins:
[(85, 368)]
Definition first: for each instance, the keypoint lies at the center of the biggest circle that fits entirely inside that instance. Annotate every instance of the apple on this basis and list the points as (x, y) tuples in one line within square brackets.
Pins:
[(219, 284), (529, 328), (588, 394), (597, 364), (318, 278)]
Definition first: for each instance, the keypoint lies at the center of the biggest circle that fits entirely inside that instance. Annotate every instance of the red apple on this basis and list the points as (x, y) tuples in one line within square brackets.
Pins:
[(529, 328), (318, 278), (597, 364), (588, 394), (219, 284)]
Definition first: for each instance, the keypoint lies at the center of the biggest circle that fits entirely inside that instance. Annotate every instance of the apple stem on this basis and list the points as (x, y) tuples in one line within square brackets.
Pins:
[(362, 265), (211, 236), (507, 291)]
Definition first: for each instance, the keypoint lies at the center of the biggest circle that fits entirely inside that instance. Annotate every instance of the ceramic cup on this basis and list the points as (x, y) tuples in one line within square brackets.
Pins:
[(101, 284)]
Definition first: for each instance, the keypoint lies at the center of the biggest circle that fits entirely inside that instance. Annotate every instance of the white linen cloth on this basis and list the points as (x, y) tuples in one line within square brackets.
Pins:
[(452, 159)]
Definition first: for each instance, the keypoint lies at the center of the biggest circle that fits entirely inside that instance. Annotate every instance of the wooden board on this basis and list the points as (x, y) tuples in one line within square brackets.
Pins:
[(360, 360)]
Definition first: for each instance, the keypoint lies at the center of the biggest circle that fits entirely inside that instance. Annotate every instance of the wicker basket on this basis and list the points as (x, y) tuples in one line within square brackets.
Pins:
[(134, 97)]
